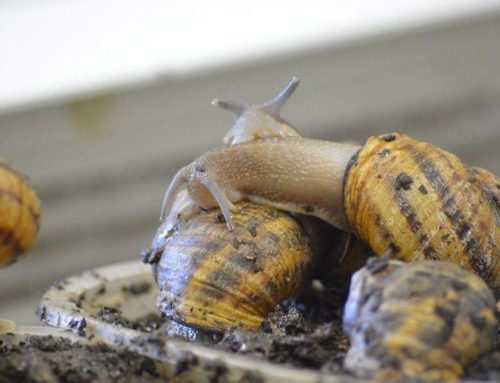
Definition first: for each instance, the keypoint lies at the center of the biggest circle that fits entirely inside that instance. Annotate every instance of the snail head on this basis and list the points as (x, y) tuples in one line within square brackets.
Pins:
[(260, 120)]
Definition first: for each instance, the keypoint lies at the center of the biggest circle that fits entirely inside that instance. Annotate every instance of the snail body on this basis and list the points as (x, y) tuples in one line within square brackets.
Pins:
[(401, 196), (427, 320), (19, 215)]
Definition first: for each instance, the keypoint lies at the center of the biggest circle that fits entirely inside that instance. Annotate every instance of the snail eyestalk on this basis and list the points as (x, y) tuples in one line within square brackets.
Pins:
[(273, 107), (253, 122), (235, 107)]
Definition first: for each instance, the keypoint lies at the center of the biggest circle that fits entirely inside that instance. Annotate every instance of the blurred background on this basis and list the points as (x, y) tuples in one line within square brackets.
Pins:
[(102, 101)]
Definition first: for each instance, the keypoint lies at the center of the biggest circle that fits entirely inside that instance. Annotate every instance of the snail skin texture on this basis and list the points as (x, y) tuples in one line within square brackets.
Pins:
[(425, 320), (401, 196), (19, 215)]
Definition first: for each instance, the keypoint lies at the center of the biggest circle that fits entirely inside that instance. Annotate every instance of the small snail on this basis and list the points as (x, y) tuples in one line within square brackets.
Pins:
[(19, 215), (400, 196), (426, 320)]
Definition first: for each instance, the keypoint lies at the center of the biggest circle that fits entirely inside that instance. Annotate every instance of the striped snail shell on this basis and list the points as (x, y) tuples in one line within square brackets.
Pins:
[(424, 320), (19, 215), (214, 279), (416, 201)]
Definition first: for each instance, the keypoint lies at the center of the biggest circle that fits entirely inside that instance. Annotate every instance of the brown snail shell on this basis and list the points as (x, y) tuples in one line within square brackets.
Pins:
[(19, 215), (415, 201), (487, 180), (425, 320), (490, 186), (213, 278), (269, 245)]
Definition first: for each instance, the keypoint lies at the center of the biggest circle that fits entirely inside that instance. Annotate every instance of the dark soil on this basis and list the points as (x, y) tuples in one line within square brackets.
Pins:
[(47, 359), (287, 338), (303, 333), (306, 333), (115, 317)]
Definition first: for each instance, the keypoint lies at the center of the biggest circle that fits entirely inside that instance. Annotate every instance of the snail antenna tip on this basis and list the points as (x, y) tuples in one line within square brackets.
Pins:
[(274, 106), (235, 107)]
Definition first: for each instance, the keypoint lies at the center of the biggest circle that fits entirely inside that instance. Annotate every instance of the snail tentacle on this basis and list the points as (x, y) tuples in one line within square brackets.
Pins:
[(238, 108), (273, 107), (171, 193)]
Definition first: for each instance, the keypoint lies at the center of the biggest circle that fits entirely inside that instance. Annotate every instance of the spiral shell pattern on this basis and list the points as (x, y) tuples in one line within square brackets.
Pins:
[(425, 320), (415, 201), (212, 278), (19, 215)]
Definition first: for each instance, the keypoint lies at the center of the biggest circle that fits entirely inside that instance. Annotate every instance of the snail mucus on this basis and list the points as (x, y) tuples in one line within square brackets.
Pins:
[(405, 199)]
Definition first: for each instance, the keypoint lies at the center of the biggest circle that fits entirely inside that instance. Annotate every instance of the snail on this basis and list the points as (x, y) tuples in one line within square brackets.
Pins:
[(400, 196), (213, 279), (19, 215), (425, 320), (182, 208)]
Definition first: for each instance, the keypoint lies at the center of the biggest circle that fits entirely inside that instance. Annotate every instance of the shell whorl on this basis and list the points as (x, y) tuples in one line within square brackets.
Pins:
[(427, 320), (212, 278), (416, 201)]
